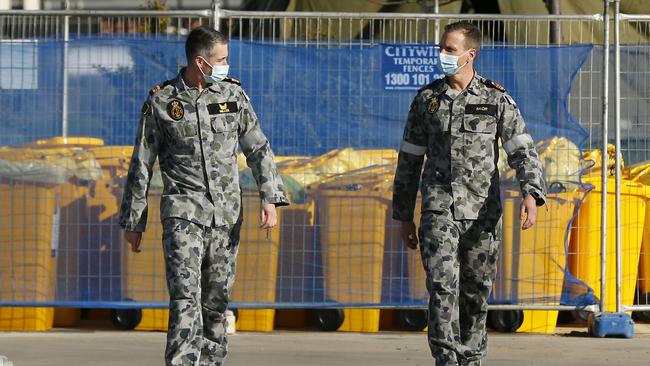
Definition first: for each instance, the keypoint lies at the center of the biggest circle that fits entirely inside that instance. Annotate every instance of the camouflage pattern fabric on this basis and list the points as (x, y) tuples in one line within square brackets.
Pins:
[(459, 258), (195, 136), (458, 133), (460, 229), (200, 264)]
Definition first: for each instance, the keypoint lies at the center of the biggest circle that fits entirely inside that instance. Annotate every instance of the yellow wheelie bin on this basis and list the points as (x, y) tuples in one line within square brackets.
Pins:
[(641, 173), (28, 237), (144, 273), (352, 242), (63, 159), (353, 211), (532, 262), (257, 267), (584, 249)]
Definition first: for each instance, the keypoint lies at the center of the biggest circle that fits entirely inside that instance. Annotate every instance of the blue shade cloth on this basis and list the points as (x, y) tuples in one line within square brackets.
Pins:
[(310, 100)]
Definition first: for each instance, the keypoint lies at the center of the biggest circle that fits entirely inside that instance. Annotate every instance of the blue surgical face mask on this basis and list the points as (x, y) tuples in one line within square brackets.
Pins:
[(449, 63), (219, 72)]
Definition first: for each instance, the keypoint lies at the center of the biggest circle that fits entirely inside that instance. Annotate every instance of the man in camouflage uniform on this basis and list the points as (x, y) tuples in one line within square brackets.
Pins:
[(193, 125), (456, 122)]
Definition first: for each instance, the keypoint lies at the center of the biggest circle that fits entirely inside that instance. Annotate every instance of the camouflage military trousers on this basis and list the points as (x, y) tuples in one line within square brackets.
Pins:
[(459, 258), (200, 264)]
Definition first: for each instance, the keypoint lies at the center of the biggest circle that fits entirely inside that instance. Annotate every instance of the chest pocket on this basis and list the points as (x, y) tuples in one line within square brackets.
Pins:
[(223, 116), (184, 129), (181, 135), (480, 118), (438, 122), (223, 119), (478, 134)]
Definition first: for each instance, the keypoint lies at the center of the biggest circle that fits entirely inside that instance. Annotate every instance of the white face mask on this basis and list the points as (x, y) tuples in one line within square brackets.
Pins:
[(219, 72), (449, 63)]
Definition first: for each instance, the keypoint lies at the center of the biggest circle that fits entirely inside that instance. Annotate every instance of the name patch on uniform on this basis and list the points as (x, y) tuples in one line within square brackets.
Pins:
[(490, 109), (220, 108), (175, 110)]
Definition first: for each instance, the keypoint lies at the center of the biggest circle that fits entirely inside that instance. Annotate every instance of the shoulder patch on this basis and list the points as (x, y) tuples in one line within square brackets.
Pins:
[(157, 88), (248, 99), (146, 109), (493, 84), (232, 80)]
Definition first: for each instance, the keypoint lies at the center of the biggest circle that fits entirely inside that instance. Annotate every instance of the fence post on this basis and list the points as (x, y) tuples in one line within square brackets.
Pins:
[(605, 160), (555, 35), (216, 14), (617, 124), (64, 101)]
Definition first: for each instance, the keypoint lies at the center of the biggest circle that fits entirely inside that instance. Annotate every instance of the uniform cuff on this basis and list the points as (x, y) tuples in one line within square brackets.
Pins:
[(540, 197), (277, 200)]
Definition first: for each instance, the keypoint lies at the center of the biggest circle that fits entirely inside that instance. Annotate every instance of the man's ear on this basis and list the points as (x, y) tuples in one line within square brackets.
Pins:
[(473, 53)]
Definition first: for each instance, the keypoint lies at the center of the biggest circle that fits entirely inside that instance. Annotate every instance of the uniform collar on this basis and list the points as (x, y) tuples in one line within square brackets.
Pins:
[(439, 87), (474, 86), (181, 86), (179, 83), (214, 87)]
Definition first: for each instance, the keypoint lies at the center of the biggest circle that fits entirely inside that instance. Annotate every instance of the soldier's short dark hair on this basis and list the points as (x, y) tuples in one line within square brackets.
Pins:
[(470, 31), (201, 40)]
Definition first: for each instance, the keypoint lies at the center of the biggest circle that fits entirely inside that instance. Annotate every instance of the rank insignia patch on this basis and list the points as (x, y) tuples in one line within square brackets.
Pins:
[(146, 109), (434, 104)]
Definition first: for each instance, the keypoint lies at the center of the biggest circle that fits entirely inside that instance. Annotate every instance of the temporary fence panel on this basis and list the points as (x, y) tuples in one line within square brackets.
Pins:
[(635, 149), (332, 92)]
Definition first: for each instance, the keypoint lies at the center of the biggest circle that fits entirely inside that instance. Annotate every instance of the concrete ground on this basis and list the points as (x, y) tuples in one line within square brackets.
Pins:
[(94, 347)]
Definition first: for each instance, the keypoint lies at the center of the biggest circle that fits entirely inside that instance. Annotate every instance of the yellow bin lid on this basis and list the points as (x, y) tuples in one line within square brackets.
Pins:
[(66, 141), (628, 187)]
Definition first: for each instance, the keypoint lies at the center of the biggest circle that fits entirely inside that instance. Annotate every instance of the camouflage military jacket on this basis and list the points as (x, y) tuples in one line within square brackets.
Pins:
[(458, 132), (195, 136)]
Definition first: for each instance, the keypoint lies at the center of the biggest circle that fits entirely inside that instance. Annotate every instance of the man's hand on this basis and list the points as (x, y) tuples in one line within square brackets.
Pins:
[(134, 238), (269, 216), (409, 234), (528, 212)]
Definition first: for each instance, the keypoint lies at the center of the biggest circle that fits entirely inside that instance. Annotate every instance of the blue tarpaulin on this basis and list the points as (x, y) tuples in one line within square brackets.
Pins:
[(309, 100)]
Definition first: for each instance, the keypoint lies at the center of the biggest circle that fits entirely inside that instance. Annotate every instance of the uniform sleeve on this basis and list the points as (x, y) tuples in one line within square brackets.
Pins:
[(133, 212), (409, 165), (520, 148), (259, 157)]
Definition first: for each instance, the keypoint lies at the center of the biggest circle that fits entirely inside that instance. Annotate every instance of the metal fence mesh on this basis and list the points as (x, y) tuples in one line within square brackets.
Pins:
[(60, 243)]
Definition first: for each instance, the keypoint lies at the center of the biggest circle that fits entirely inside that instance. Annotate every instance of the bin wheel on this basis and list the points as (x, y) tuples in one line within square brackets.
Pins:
[(414, 319), (643, 316), (506, 321), (580, 316), (126, 319), (329, 320)]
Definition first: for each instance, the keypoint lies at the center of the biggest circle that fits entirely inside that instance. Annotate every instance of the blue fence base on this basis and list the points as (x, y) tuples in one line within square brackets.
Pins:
[(610, 324)]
